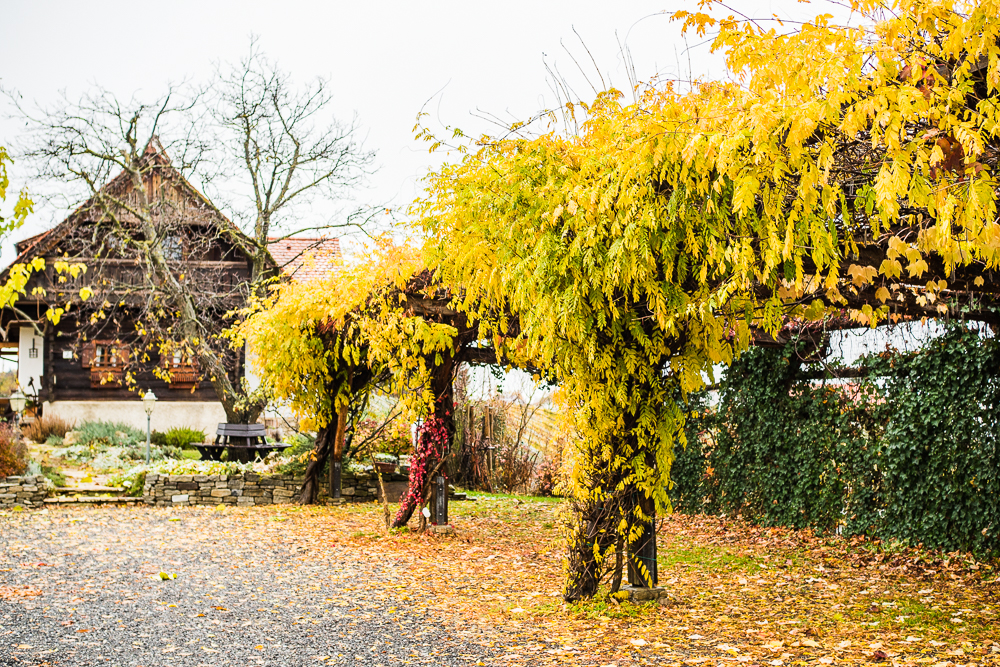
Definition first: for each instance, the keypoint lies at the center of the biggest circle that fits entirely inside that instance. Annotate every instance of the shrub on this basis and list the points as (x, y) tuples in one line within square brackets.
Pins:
[(133, 484), (44, 427), (295, 459), (180, 437), (301, 443), (295, 465), (13, 453), (114, 434), (54, 475), (102, 456), (158, 438)]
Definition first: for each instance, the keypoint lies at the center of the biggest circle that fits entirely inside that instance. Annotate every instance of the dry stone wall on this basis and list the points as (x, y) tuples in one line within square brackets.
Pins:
[(244, 490), (26, 491)]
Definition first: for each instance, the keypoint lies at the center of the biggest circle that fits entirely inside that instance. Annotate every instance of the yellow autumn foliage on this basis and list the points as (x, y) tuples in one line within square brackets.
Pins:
[(640, 252), (626, 260), (305, 333)]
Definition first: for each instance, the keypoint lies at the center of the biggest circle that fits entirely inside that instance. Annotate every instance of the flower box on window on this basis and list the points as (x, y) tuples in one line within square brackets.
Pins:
[(181, 370), (106, 360)]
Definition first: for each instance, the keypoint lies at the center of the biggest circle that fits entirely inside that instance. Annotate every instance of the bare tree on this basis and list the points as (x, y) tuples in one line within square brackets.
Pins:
[(286, 149), (166, 265)]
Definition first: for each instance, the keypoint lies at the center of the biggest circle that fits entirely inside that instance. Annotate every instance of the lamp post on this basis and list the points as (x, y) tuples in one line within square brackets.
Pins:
[(148, 401), (17, 403)]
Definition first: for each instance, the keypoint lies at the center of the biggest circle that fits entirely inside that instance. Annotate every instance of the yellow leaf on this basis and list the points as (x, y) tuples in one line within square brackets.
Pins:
[(917, 268), (890, 268)]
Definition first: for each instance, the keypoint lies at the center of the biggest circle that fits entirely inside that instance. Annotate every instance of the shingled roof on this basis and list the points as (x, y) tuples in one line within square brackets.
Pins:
[(299, 258), (39, 244), (305, 258)]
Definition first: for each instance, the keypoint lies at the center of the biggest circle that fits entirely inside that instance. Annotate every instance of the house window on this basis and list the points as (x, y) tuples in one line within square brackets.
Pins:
[(181, 369), (173, 249), (106, 360), (114, 244)]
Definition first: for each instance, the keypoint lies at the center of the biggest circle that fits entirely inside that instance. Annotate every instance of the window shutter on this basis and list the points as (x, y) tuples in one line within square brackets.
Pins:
[(121, 358), (87, 353)]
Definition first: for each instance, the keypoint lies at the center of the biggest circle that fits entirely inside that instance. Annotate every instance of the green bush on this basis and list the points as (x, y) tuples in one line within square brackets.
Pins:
[(54, 475), (690, 490), (301, 443), (181, 437), (114, 434), (295, 459), (131, 480), (940, 452)]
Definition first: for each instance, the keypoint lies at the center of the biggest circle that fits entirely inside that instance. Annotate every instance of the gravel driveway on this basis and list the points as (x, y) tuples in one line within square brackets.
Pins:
[(82, 587)]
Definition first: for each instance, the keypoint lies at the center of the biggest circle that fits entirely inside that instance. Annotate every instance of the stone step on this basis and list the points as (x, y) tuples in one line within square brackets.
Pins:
[(93, 500), (87, 488)]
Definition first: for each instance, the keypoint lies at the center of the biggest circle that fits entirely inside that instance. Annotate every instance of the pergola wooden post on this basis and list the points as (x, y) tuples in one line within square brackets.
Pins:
[(337, 460)]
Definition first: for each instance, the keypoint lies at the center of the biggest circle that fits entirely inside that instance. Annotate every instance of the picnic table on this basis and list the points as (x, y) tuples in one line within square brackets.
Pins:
[(241, 442)]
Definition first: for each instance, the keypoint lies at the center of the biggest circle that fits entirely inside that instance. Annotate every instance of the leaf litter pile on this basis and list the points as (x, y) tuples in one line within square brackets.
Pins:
[(280, 584)]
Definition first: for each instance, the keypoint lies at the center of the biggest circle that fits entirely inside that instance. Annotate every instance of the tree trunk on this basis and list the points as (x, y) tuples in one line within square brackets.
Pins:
[(310, 486), (338, 451), (584, 569)]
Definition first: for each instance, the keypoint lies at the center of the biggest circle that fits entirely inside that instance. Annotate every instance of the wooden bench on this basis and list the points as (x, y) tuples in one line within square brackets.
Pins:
[(242, 442)]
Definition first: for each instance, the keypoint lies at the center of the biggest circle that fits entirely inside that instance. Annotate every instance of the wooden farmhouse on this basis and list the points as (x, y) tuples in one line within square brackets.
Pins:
[(94, 363)]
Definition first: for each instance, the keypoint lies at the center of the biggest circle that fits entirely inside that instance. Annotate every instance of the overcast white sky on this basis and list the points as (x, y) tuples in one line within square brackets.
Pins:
[(386, 60)]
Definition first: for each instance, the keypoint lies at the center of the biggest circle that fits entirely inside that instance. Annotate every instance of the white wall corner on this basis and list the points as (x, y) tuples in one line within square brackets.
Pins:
[(30, 360)]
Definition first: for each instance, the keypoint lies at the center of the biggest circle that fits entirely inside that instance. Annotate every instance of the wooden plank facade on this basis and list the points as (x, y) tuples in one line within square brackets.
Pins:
[(93, 355)]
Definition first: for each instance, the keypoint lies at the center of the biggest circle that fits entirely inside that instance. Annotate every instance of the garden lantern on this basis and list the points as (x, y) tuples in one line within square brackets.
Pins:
[(17, 403), (148, 402)]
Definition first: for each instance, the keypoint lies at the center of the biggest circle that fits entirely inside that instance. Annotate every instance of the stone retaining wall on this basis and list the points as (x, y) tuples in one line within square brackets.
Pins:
[(246, 489), (26, 491)]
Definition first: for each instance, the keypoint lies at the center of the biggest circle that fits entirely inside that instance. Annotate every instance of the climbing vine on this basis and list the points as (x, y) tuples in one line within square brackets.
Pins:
[(909, 452), (432, 444)]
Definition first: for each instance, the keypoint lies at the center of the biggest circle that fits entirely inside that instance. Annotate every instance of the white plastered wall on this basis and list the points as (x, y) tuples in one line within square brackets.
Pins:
[(30, 360), (202, 415)]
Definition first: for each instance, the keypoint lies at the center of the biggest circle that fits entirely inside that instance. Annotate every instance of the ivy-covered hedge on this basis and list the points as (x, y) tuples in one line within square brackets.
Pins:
[(911, 452)]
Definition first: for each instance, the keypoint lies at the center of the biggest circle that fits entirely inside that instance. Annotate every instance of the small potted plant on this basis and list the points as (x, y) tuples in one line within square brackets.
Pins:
[(384, 463)]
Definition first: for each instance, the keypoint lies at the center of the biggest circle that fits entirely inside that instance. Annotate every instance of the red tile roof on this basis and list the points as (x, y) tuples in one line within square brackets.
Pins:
[(305, 259)]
